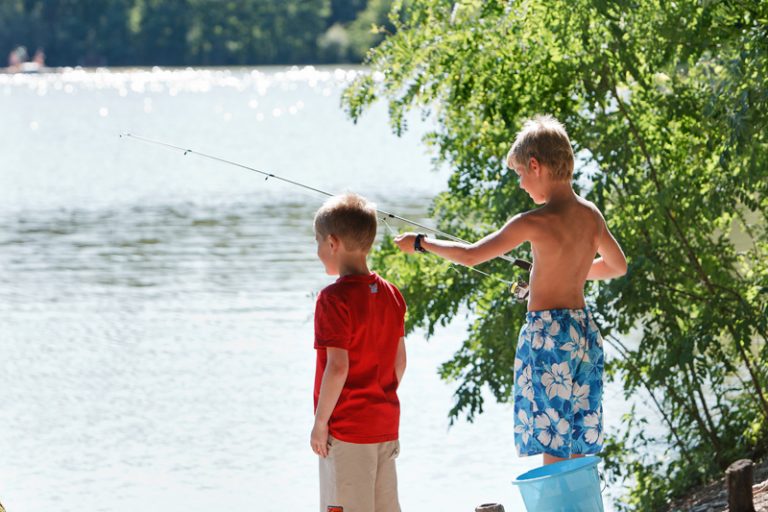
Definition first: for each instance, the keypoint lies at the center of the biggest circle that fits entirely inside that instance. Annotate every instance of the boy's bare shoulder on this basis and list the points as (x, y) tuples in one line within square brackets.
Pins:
[(580, 213), (535, 223), (534, 216), (530, 220), (592, 207), (548, 212)]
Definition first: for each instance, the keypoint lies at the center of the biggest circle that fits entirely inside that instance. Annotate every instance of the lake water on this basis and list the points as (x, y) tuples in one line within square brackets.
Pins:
[(155, 309)]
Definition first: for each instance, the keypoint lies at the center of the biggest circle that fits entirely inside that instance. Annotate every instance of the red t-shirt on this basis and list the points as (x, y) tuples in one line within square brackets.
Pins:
[(363, 314)]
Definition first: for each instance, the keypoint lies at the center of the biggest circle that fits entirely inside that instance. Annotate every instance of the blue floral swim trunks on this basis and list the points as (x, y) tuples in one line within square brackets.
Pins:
[(559, 384)]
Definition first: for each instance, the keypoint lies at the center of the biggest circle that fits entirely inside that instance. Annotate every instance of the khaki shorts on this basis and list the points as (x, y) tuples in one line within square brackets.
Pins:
[(359, 477)]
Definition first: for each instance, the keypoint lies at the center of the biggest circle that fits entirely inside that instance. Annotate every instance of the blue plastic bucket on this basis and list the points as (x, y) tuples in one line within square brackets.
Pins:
[(569, 486)]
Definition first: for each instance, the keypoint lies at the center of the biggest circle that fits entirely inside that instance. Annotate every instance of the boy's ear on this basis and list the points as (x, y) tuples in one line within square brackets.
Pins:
[(334, 241), (534, 166)]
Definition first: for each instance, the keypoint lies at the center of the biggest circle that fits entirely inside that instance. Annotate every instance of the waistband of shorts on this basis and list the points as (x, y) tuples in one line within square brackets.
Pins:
[(552, 314)]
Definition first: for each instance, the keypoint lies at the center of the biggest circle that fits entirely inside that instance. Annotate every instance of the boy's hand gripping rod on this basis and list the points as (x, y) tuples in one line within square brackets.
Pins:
[(519, 289)]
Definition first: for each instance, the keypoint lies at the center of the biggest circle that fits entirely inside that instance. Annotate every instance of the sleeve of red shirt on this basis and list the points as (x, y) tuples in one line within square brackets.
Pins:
[(332, 322)]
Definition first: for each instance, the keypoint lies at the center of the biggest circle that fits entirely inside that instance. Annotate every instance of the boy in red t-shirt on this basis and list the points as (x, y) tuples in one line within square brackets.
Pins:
[(359, 329)]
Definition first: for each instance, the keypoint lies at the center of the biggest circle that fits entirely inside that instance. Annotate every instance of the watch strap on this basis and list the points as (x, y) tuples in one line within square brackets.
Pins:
[(417, 243)]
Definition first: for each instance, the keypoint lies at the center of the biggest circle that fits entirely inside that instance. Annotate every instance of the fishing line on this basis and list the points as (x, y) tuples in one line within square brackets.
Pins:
[(519, 288)]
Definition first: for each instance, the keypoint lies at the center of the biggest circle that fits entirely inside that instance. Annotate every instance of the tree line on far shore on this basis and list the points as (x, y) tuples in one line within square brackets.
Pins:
[(194, 32)]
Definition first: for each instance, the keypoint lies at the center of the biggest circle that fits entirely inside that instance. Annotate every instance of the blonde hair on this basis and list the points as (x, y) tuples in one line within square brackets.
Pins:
[(545, 139), (351, 218)]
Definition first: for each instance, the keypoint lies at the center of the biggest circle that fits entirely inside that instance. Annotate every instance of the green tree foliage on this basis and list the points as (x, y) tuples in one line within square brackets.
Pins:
[(667, 108), (370, 27), (11, 27), (346, 11), (90, 28), (159, 30), (193, 32)]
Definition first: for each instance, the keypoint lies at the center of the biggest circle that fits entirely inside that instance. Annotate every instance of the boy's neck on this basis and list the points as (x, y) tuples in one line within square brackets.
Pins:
[(560, 192), (355, 266)]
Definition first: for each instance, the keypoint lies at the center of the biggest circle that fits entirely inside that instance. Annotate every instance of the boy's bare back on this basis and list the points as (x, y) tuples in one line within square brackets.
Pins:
[(564, 237)]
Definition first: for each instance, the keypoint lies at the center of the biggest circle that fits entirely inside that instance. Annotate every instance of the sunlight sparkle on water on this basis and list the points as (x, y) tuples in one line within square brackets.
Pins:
[(177, 80)]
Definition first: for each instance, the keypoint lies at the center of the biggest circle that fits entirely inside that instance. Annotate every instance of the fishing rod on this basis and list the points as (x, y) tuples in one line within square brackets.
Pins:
[(519, 288)]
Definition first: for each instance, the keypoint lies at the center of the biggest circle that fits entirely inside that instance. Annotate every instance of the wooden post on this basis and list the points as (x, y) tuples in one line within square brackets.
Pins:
[(490, 507), (738, 480)]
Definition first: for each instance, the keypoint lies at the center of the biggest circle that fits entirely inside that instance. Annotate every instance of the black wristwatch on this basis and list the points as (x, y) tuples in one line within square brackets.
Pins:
[(417, 243)]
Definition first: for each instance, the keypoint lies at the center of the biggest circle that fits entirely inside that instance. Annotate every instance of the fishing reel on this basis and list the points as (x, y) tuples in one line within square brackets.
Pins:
[(520, 290)]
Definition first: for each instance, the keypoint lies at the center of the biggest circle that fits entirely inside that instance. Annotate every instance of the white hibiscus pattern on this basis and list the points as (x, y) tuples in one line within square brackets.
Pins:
[(541, 338), (524, 426), (524, 383), (593, 429), (577, 346), (540, 341), (558, 381), (550, 428), (580, 397)]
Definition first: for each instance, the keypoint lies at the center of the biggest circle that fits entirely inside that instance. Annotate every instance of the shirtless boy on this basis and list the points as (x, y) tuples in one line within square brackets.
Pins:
[(559, 360)]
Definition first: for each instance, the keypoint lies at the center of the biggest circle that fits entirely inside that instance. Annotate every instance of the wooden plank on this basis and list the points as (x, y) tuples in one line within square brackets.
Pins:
[(490, 507), (738, 481)]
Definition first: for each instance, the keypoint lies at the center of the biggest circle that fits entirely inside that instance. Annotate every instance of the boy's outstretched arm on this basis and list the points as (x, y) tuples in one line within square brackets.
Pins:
[(334, 377), (515, 232), (612, 262)]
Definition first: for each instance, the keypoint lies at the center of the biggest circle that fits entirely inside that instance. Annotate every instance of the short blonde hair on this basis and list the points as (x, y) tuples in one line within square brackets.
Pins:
[(545, 139), (351, 218)]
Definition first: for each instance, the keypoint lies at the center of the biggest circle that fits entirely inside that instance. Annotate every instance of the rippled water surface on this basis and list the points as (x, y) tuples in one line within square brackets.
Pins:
[(155, 309)]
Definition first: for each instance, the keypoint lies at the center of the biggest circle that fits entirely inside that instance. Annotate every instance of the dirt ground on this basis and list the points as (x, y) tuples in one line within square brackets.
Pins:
[(714, 497)]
